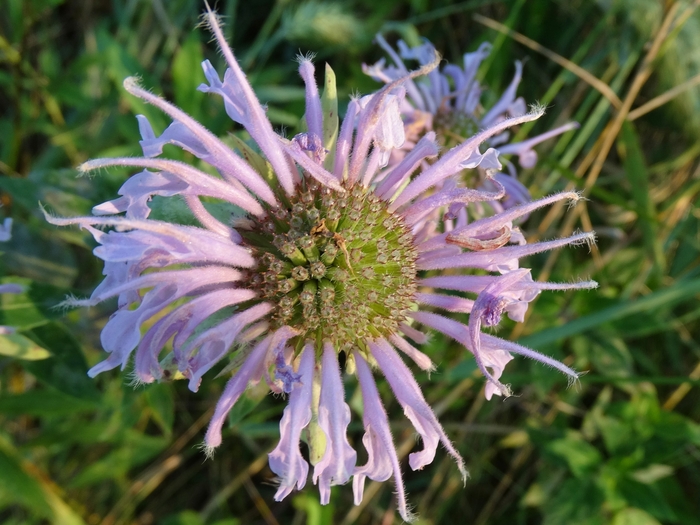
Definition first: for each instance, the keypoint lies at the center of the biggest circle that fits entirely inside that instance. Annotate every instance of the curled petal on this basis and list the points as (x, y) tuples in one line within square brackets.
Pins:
[(338, 461), (502, 259), (286, 460), (495, 224), (382, 460), (371, 116), (317, 171), (446, 197), (181, 323), (425, 148), (213, 344), (483, 356), (196, 183), (255, 121), (408, 393), (250, 372), (177, 244), (191, 133), (526, 154), (507, 103), (450, 303)]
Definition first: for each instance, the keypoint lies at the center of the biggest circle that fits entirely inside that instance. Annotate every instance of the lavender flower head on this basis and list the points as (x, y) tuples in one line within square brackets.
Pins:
[(330, 252), (448, 101)]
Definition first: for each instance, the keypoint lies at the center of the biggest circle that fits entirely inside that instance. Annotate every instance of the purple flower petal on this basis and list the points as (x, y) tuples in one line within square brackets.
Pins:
[(338, 461), (249, 372), (382, 460), (409, 394), (286, 460)]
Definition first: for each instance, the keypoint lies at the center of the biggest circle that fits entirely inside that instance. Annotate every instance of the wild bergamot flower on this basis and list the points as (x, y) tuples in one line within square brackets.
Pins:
[(448, 101), (329, 252)]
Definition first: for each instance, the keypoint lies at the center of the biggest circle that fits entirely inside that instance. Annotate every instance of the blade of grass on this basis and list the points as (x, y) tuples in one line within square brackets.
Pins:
[(513, 13), (564, 75), (638, 176), (584, 75), (663, 98)]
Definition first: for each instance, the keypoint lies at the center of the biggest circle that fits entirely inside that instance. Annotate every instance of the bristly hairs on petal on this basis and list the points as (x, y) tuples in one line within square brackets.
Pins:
[(587, 238), (407, 513), (71, 301), (538, 108), (310, 56), (206, 450), (134, 381), (575, 381), (577, 284), (209, 18), (92, 168), (574, 200), (134, 82)]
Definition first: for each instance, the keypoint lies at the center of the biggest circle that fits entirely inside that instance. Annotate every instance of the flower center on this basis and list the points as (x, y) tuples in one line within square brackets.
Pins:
[(338, 267), (454, 126)]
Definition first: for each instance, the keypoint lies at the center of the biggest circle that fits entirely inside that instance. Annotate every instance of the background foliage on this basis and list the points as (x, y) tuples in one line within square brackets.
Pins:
[(622, 447)]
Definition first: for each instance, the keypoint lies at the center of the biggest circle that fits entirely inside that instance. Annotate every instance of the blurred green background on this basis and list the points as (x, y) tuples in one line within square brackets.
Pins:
[(623, 447)]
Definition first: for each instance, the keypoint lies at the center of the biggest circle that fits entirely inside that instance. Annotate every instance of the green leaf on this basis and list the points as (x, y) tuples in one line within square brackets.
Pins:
[(67, 369), (40, 255), (609, 355), (646, 497), (329, 109), (186, 517), (187, 60), (279, 93), (25, 489), (20, 347), (171, 209), (618, 436), (461, 370), (633, 517), (676, 428), (284, 118), (316, 514), (24, 192), (580, 456), (33, 307), (135, 450), (638, 176), (29, 488), (652, 473), (257, 162), (577, 502), (159, 397), (250, 399), (42, 402)]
